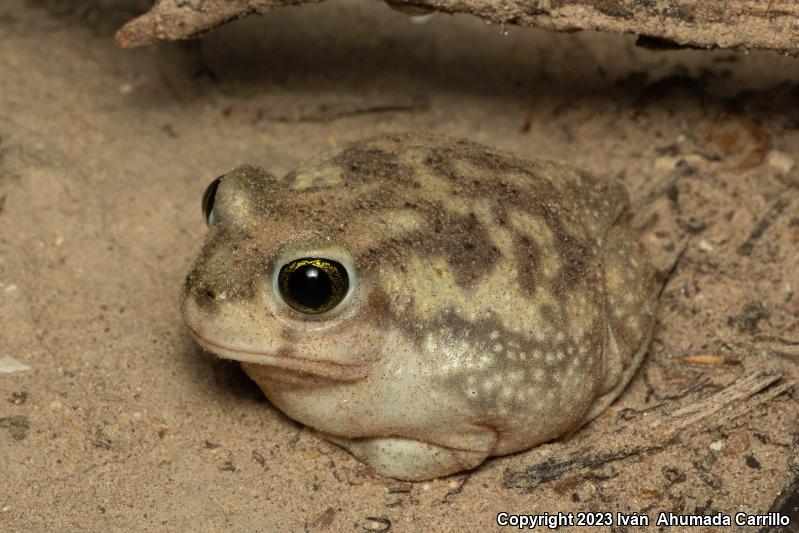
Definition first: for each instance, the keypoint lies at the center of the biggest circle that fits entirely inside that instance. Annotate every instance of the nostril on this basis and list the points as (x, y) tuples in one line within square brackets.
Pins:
[(210, 293)]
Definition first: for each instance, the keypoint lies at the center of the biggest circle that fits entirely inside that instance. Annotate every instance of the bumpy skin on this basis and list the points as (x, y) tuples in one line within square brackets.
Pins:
[(495, 303)]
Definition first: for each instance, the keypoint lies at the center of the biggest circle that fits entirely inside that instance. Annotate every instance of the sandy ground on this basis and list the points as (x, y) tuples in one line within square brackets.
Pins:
[(122, 423)]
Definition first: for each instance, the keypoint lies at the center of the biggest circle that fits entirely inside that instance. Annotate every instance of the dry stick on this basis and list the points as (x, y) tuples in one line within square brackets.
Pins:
[(740, 389), (737, 24), (768, 219), (668, 427)]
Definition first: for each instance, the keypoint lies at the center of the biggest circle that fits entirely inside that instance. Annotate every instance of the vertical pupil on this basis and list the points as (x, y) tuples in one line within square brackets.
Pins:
[(310, 286)]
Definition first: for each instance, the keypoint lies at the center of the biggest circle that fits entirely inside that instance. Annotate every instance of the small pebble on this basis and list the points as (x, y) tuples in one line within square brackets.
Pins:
[(648, 494), (717, 446), (666, 164), (55, 404), (751, 462), (9, 365), (705, 246), (585, 492), (377, 524), (780, 161)]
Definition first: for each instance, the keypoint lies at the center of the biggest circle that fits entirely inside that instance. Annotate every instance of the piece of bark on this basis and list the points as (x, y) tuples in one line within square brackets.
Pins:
[(740, 24)]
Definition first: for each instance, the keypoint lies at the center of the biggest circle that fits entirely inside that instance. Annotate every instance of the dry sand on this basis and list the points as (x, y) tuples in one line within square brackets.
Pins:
[(122, 423)]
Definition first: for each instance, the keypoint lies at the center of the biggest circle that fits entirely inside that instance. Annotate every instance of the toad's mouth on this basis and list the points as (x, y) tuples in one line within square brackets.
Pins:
[(285, 360)]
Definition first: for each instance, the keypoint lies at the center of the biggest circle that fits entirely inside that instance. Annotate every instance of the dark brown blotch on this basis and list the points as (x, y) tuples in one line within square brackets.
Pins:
[(528, 258), (362, 163), (463, 240)]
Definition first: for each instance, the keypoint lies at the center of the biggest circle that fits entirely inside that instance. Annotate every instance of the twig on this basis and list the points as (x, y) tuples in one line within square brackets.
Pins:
[(760, 228), (669, 427)]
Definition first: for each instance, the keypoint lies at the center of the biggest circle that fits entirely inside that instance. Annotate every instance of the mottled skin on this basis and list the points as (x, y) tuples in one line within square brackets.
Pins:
[(495, 303)]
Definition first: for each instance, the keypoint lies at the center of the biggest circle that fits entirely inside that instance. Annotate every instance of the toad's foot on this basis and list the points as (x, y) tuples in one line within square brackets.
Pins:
[(409, 459)]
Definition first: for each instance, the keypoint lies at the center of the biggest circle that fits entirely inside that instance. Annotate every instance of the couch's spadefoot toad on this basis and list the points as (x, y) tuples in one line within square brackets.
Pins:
[(425, 302)]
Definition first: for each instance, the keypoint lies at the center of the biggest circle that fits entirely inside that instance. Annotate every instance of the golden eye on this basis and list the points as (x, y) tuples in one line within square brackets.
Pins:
[(313, 285), (209, 196)]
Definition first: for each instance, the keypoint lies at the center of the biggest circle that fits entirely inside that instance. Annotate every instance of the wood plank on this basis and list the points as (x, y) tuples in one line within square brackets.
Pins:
[(738, 24)]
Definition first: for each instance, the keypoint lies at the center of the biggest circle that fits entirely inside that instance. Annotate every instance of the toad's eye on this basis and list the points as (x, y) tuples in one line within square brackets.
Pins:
[(313, 285), (209, 196)]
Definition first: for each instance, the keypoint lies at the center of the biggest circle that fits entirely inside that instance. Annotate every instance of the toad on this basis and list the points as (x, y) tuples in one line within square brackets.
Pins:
[(425, 302)]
